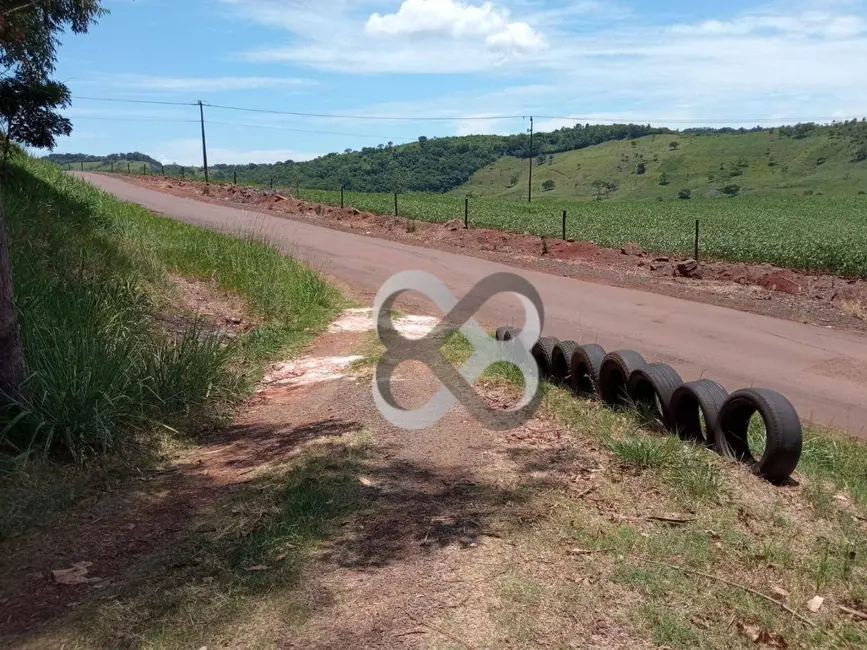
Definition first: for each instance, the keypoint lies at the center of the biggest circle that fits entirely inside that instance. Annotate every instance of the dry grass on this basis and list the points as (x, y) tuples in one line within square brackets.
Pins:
[(855, 308)]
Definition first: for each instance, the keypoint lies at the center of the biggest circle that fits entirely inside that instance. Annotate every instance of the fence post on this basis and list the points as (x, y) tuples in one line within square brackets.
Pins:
[(395, 204), (234, 177), (271, 183), (466, 212), (183, 172), (144, 169), (162, 169), (564, 225), (81, 162), (112, 166), (341, 198), (696, 241)]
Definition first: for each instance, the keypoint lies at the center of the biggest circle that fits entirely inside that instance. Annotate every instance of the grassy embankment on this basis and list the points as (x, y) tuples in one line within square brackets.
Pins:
[(93, 280)]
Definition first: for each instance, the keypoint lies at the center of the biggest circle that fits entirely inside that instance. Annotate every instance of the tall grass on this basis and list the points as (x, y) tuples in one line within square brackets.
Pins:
[(90, 273)]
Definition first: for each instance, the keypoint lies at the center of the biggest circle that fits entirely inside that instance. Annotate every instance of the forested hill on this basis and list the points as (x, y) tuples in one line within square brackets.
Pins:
[(135, 156), (430, 164)]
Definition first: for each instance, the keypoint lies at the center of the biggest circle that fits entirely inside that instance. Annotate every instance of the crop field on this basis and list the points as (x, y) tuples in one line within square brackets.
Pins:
[(810, 233)]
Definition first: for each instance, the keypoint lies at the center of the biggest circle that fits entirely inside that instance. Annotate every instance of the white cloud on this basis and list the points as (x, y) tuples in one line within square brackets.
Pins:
[(783, 61), (457, 20), (188, 151), (206, 84), (420, 37), (807, 23)]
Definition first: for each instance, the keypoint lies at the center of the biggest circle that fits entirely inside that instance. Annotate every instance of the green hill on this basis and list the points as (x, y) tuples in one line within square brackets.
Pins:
[(783, 161)]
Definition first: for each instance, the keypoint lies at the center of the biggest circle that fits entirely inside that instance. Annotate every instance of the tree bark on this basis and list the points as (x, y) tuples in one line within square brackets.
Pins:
[(11, 353)]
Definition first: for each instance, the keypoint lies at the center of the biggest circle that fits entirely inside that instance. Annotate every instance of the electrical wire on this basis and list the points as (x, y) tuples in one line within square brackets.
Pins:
[(134, 119), (368, 117), (283, 128), (461, 118), (621, 120), (134, 101)]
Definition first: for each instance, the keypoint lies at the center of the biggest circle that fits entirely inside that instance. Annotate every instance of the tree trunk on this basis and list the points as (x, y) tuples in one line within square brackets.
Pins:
[(11, 353)]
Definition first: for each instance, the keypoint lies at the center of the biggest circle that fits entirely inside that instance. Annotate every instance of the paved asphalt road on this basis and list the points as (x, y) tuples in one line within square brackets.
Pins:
[(822, 371)]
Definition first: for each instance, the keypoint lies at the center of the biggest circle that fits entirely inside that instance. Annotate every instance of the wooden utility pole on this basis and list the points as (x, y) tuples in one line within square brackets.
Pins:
[(204, 142), (530, 185)]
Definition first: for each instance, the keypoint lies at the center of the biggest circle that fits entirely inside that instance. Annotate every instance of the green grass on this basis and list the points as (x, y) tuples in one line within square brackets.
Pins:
[(91, 273), (762, 163), (809, 233)]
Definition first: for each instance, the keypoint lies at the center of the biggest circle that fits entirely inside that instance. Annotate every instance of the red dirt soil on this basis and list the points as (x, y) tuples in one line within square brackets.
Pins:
[(821, 298)]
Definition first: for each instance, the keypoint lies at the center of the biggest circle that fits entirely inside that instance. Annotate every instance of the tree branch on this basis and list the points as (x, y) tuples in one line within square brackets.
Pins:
[(16, 6)]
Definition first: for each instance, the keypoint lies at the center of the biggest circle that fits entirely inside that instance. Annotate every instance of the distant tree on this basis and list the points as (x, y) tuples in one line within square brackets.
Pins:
[(642, 167), (684, 194), (602, 189), (860, 155), (673, 145), (540, 159), (422, 139), (663, 179), (731, 190), (548, 185), (634, 143), (513, 180)]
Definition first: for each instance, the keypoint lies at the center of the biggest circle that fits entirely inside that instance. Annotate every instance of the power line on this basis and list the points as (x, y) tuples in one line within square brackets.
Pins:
[(134, 119), (299, 114), (368, 117), (283, 128), (774, 120), (134, 101), (452, 118)]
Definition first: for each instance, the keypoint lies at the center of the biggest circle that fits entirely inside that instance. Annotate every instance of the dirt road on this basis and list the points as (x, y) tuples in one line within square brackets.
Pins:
[(822, 371)]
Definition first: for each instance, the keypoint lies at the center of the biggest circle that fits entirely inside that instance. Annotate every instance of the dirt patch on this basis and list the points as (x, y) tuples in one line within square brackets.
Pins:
[(217, 310), (817, 298)]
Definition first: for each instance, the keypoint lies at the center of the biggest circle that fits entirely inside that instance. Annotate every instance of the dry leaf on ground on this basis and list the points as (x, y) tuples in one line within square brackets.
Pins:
[(77, 575)]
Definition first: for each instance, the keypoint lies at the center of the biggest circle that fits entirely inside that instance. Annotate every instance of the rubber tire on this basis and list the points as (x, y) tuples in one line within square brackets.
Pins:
[(585, 368), (655, 380), (614, 375), (690, 402), (784, 436), (502, 331), (561, 360), (508, 333), (543, 353)]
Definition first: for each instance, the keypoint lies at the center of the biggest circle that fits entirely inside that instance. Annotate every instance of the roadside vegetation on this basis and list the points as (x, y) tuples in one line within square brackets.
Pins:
[(816, 233), (689, 550), (115, 362)]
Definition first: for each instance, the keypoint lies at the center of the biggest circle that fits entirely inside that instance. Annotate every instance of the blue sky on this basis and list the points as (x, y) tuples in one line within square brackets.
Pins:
[(673, 62)]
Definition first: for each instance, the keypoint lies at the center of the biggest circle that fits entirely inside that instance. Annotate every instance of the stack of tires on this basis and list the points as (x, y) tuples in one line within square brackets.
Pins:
[(699, 411)]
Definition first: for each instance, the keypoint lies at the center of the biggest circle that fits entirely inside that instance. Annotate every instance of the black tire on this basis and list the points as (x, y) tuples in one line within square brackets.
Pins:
[(585, 368), (503, 331), (784, 437), (508, 333), (614, 375), (543, 353), (651, 387), (692, 401), (561, 360)]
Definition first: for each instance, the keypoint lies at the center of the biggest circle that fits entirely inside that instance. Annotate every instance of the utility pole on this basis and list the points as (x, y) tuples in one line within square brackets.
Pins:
[(530, 184), (204, 143)]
